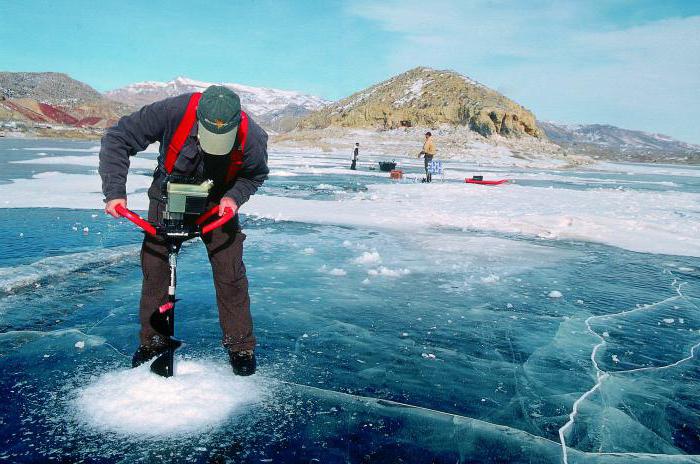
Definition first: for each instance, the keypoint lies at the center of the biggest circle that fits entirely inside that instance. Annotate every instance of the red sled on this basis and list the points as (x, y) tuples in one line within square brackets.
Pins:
[(486, 182)]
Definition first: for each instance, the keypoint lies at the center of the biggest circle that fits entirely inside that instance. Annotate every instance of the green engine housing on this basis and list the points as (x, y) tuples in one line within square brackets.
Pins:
[(186, 199)]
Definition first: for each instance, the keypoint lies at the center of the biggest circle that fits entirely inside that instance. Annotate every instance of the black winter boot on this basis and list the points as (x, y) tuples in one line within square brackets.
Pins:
[(147, 352), (242, 362)]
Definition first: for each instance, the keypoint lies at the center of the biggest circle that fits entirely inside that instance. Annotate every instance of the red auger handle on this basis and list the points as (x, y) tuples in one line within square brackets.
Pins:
[(228, 215), (204, 216), (136, 219)]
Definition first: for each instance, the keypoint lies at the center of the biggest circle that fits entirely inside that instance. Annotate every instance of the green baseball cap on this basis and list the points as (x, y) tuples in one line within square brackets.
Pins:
[(218, 116)]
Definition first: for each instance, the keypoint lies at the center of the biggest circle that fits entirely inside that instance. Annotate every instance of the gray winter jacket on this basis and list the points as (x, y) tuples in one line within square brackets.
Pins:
[(157, 122)]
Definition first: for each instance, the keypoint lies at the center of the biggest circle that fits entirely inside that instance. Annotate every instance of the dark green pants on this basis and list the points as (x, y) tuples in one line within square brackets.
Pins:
[(225, 251), (428, 175)]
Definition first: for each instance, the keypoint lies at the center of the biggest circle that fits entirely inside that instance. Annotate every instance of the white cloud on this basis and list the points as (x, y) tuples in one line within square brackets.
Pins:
[(559, 59)]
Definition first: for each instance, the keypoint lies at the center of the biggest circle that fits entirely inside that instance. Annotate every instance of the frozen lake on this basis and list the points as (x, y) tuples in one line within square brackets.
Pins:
[(554, 319)]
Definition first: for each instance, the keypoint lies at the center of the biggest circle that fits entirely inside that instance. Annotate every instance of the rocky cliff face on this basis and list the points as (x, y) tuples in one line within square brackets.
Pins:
[(428, 97), (47, 87), (48, 99)]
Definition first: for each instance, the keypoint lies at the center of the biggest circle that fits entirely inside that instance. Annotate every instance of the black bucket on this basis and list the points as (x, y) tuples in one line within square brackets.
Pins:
[(387, 166)]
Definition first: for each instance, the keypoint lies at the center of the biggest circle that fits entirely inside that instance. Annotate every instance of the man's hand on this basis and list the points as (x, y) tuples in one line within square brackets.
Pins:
[(419, 154), (110, 207), (227, 202)]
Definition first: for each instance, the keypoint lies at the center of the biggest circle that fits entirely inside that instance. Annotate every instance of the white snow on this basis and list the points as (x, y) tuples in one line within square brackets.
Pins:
[(91, 161), (60, 190), (654, 221), (646, 221), (137, 402), (415, 90)]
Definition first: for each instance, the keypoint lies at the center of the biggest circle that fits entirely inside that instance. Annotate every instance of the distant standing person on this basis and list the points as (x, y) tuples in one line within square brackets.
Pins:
[(355, 154), (429, 152)]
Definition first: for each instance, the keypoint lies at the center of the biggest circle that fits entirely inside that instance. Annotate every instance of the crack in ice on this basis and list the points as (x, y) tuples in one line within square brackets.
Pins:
[(602, 375)]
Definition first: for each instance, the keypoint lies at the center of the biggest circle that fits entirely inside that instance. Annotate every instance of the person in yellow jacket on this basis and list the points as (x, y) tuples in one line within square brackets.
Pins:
[(428, 152)]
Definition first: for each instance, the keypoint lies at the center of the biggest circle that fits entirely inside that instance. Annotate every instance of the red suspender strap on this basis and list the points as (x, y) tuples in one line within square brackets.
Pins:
[(182, 132), (237, 153)]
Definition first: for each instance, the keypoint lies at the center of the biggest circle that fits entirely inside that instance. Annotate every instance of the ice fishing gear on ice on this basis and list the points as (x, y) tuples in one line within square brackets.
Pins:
[(387, 166), (185, 218), (480, 181)]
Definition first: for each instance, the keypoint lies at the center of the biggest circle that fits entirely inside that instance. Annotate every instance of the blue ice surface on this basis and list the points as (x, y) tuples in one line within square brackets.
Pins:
[(463, 359)]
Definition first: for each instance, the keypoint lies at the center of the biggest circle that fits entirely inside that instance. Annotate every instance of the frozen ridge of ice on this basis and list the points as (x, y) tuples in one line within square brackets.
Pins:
[(13, 278)]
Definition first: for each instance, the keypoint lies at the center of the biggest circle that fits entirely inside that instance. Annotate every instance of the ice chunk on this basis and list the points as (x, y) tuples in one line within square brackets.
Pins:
[(490, 279), (385, 271), (555, 294), (80, 345), (368, 257)]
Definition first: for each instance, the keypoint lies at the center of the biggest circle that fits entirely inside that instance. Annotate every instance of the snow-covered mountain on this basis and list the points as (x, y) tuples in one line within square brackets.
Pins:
[(605, 139), (259, 101)]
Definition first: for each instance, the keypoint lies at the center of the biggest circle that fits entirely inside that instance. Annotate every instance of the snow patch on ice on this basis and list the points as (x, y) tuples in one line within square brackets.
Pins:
[(61, 190), (328, 187), (137, 402), (386, 272), (368, 257), (334, 272), (90, 161)]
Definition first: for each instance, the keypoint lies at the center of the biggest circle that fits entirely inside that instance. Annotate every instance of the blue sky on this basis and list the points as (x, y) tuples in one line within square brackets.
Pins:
[(632, 63)]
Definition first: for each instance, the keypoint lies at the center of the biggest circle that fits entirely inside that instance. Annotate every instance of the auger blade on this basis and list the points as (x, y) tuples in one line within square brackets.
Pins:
[(161, 323), (164, 364)]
